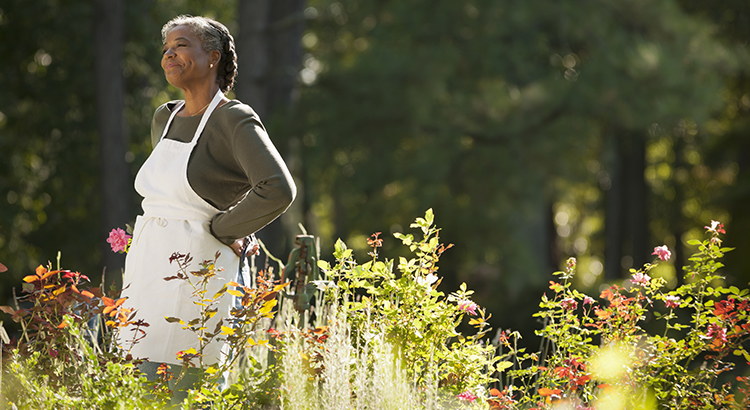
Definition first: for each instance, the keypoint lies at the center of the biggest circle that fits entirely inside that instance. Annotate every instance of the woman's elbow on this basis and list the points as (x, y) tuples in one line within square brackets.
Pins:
[(289, 192)]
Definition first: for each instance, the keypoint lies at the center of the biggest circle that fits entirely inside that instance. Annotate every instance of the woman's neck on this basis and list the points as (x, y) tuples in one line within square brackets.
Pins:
[(197, 100)]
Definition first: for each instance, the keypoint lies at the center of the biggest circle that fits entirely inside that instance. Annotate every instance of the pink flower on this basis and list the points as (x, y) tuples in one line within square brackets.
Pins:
[(672, 301), (662, 252), (467, 396), (119, 240), (717, 332), (468, 306), (716, 227), (570, 265), (569, 303), (588, 300), (640, 278)]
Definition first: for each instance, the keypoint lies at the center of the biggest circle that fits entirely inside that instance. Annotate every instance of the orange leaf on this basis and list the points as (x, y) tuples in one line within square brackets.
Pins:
[(107, 301), (87, 294), (583, 379), (548, 392), (3, 268), (48, 274), (120, 302), (495, 392), (62, 325), (40, 270), (30, 278)]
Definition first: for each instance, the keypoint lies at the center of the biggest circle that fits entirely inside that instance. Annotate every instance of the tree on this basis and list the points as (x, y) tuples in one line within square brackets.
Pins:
[(483, 111), (269, 54), (114, 178)]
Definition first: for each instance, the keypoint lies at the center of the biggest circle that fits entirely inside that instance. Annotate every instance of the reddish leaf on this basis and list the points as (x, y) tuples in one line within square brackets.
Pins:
[(495, 392), (3, 268), (548, 392), (7, 309)]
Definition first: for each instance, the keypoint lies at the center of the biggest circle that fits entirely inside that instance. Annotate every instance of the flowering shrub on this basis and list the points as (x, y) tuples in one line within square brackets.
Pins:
[(600, 356), (411, 313), (385, 337), (62, 355)]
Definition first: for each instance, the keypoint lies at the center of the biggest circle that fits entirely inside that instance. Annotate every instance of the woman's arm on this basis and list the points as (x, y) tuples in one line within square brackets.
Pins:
[(273, 188)]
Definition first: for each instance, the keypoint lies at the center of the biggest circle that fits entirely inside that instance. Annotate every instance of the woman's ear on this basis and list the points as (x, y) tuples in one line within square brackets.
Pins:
[(214, 57)]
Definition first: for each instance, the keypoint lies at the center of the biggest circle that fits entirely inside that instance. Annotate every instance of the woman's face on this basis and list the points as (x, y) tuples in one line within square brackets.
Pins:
[(183, 60)]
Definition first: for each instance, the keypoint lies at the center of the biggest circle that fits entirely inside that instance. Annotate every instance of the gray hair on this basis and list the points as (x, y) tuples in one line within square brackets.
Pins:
[(213, 36)]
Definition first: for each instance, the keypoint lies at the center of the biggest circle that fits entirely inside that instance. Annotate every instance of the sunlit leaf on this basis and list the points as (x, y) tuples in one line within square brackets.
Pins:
[(235, 293), (267, 307)]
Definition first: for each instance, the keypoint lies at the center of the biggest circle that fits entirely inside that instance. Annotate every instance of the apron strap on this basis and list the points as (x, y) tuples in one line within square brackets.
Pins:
[(204, 119), (175, 110), (211, 107)]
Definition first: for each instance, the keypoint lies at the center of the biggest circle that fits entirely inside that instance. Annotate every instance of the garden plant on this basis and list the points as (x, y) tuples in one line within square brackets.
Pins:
[(381, 335)]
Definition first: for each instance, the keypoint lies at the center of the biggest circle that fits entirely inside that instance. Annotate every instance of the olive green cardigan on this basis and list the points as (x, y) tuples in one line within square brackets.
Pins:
[(234, 167)]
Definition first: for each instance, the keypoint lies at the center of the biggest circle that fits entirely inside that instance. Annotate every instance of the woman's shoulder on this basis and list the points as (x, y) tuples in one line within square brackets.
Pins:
[(162, 113), (236, 112)]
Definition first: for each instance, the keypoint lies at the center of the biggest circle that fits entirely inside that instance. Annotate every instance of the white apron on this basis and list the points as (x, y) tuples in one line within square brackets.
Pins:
[(175, 219)]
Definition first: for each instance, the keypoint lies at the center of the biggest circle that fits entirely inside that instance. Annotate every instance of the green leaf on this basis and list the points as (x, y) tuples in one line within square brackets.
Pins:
[(429, 217), (694, 242)]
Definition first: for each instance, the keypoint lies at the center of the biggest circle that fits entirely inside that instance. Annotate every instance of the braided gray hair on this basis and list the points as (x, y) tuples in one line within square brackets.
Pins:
[(213, 36)]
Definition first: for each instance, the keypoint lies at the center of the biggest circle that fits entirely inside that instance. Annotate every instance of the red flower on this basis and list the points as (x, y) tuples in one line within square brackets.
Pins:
[(119, 240), (467, 396), (640, 278), (672, 301), (717, 333), (468, 307), (569, 304), (716, 228), (662, 252)]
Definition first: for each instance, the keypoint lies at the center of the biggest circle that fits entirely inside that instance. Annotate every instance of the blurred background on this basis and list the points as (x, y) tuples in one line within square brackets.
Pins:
[(536, 130)]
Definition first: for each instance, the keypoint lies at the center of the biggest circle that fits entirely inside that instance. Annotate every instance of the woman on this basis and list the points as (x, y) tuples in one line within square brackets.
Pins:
[(213, 178)]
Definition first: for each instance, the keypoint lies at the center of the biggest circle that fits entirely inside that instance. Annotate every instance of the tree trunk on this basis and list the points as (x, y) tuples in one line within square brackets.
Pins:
[(613, 219), (252, 54), (114, 173), (269, 55), (637, 216)]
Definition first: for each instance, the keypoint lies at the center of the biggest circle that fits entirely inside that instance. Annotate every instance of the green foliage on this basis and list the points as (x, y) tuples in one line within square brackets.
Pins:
[(601, 354), (493, 112), (414, 316)]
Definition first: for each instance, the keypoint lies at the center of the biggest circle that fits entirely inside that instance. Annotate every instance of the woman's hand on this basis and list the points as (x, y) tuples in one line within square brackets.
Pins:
[(252, 246)]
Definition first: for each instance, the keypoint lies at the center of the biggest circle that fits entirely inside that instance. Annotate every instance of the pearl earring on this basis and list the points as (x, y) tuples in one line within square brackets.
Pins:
[(212, 65)]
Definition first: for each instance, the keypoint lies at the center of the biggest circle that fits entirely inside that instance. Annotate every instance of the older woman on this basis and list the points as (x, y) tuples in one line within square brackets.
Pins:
[(213, 178)]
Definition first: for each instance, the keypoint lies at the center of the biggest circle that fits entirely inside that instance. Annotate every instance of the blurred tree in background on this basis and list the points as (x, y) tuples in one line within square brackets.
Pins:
[(536, 130)]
